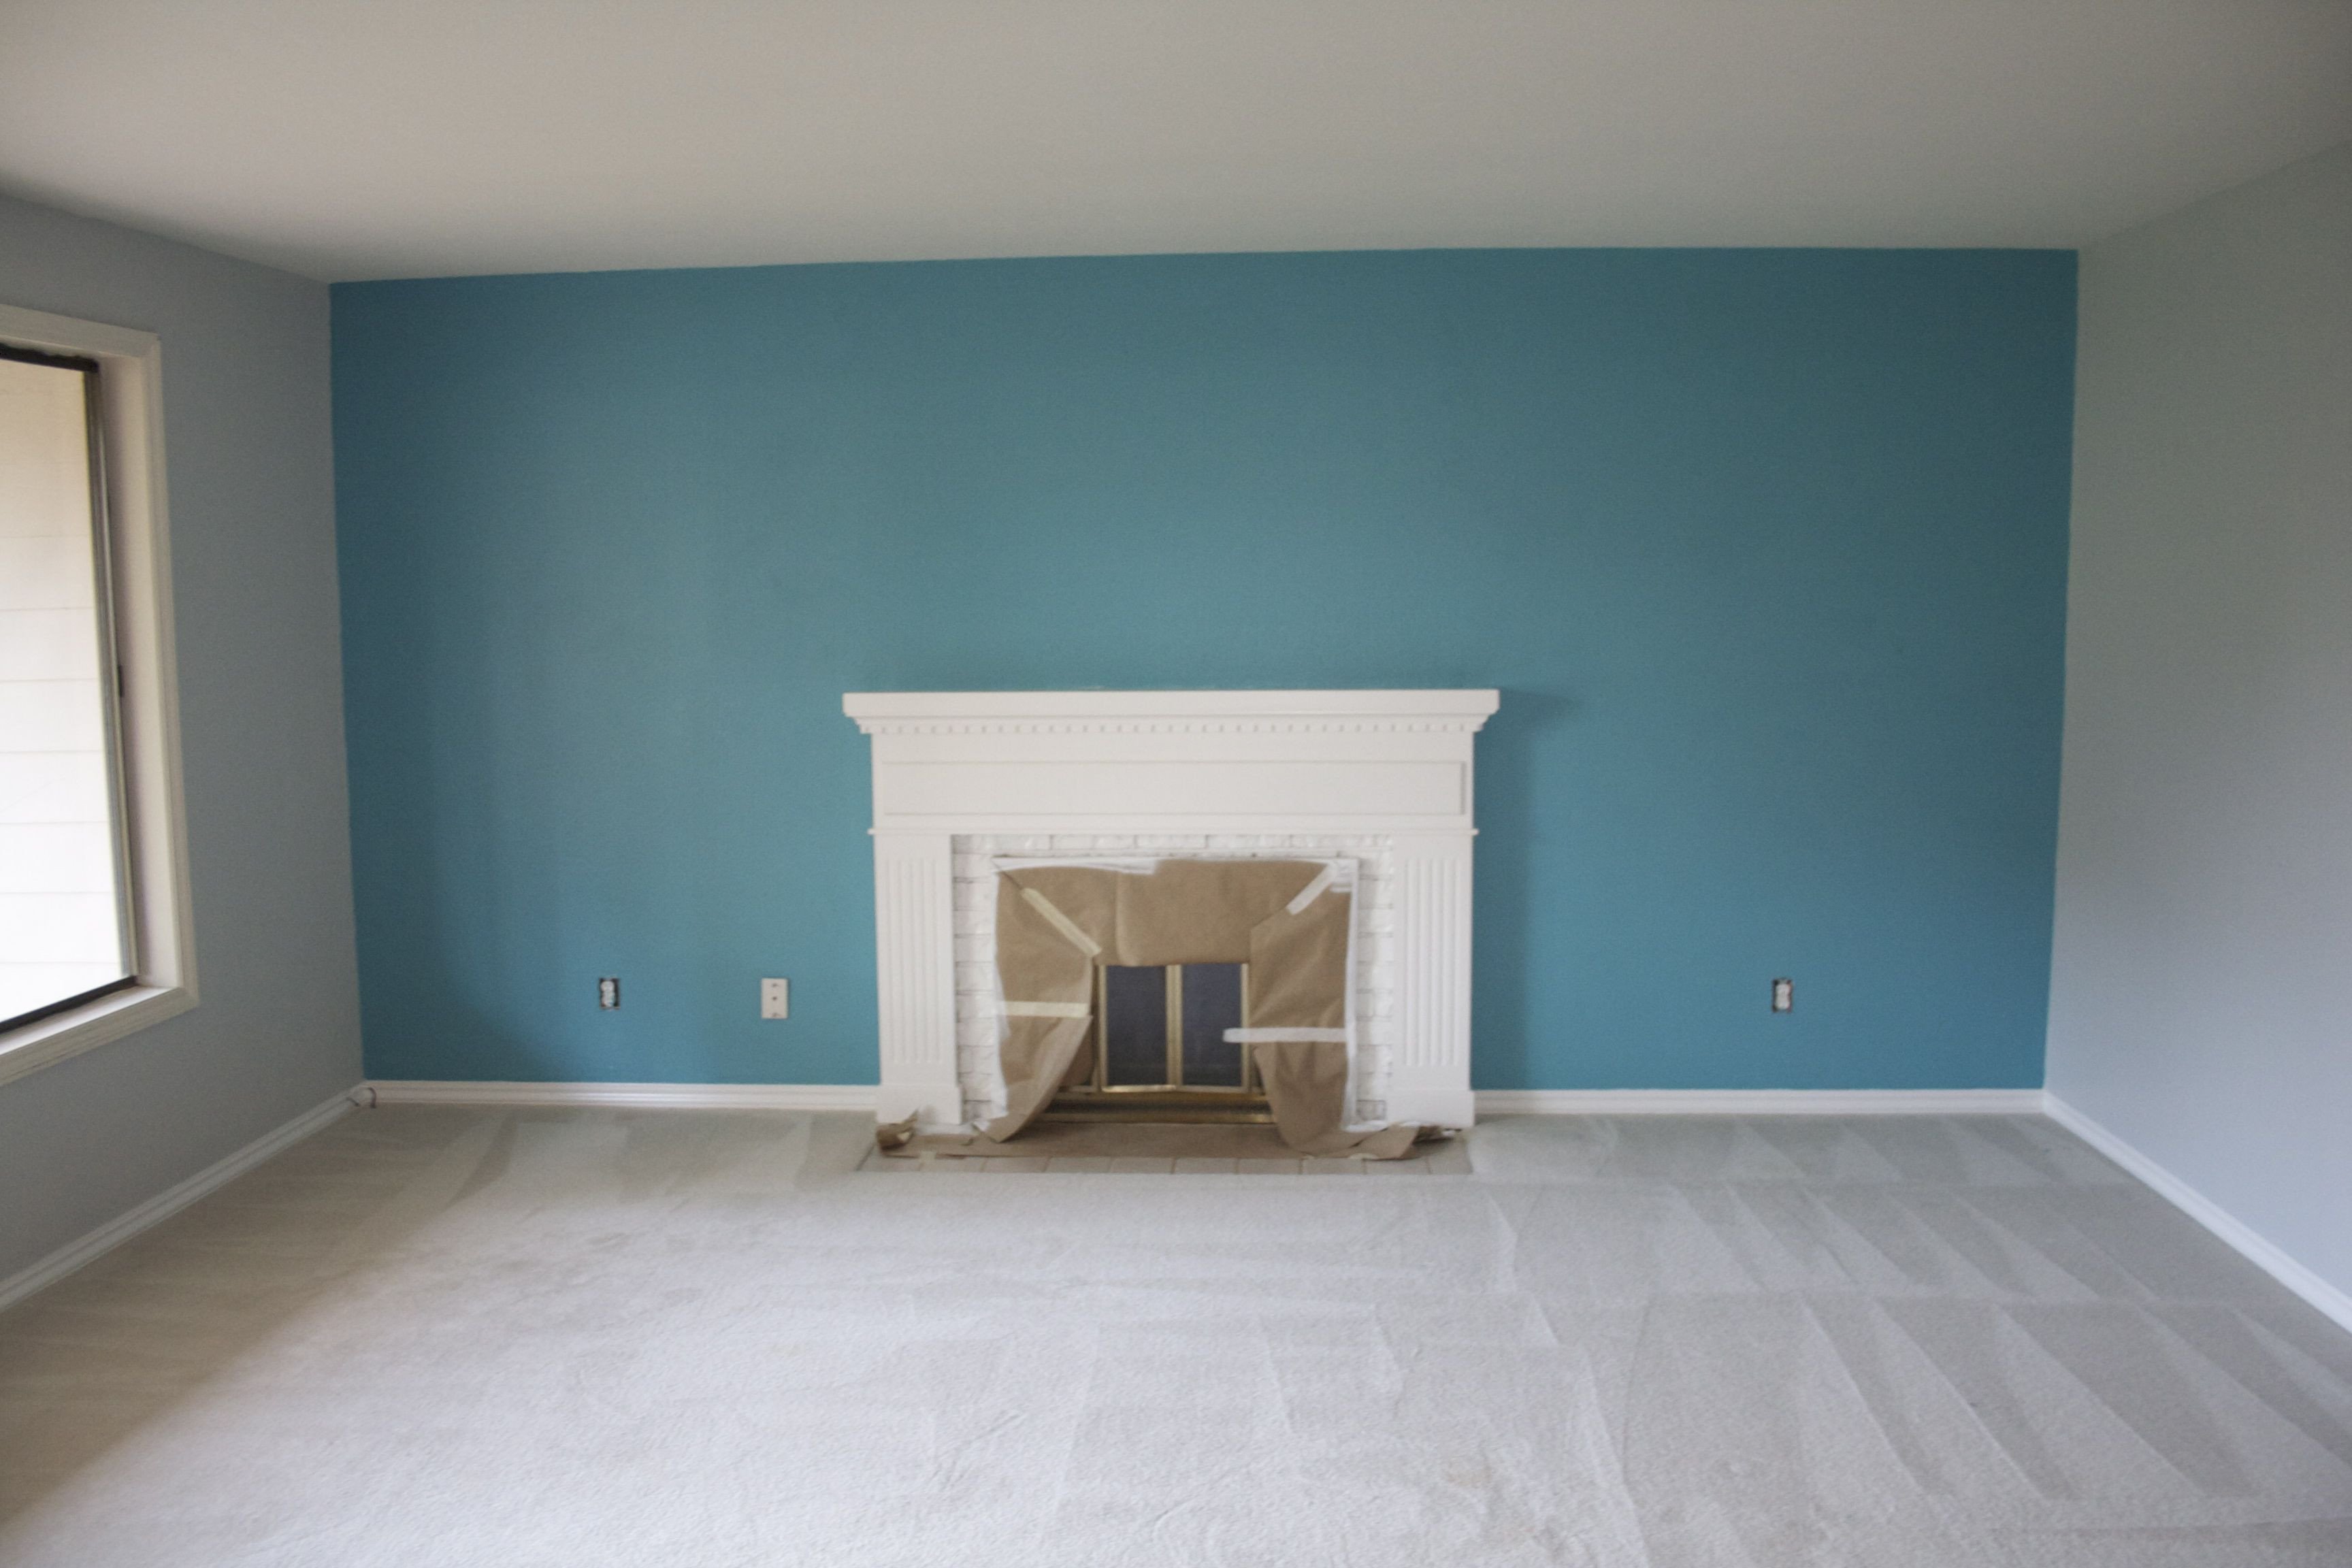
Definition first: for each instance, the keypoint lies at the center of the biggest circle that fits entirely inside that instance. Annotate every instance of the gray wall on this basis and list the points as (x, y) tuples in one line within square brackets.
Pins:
[(2201, 998), (252, 509)]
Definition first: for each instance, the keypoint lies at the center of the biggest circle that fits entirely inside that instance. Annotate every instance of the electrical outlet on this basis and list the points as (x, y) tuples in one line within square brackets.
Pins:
[(1784, 996), (775, 998), (608, 992)]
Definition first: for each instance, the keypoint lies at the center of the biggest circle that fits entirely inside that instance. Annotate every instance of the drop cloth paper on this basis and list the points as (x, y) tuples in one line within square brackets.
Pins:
[(1055, 923)]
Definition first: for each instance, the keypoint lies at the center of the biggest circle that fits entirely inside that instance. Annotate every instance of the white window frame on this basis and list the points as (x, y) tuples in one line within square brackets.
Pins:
[(155, 826)]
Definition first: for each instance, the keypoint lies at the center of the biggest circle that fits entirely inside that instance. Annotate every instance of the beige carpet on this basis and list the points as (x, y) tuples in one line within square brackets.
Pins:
[(434, 1337)]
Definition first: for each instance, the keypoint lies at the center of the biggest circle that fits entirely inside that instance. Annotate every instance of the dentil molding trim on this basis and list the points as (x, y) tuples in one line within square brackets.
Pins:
[(1168, 712)]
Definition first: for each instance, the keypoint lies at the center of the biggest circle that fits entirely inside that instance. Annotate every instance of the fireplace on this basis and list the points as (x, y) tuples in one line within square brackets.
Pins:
[(1373, 788)]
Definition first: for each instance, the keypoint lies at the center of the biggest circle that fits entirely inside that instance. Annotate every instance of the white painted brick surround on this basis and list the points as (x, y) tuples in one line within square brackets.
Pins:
[(979, 998)]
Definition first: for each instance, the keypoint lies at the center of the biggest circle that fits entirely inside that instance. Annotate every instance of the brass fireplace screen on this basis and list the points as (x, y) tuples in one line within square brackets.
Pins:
[(1166, 1028), (1087, 952)]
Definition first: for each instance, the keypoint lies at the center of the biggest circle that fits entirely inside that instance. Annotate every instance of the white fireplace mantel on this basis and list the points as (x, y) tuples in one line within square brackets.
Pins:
[(1396, 764)]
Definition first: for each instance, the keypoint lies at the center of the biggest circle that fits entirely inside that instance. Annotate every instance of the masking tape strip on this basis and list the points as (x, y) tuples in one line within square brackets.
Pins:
[(1314, 890), (1062, 922), (1047, 1010), (1283, 1037), (1128, 866)]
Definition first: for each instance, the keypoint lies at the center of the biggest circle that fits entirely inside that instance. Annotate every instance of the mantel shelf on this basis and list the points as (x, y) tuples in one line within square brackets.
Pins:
[(1071, 712)]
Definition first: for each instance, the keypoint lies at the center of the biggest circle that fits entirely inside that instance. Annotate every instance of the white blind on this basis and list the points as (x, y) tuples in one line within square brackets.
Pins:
[(61, 925)]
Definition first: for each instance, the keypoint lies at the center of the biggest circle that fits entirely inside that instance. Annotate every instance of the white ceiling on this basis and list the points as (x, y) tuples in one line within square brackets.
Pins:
[(396, 138)]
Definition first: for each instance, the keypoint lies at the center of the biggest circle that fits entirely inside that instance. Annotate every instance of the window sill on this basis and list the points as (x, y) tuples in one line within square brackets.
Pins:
[(44, 1041)]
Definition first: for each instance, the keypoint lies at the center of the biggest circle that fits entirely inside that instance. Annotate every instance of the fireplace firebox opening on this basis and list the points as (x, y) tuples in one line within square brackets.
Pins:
[(1159, 1046)]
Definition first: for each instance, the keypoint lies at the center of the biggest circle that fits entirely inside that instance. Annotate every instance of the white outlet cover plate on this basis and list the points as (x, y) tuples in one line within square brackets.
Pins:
[(775, 998)]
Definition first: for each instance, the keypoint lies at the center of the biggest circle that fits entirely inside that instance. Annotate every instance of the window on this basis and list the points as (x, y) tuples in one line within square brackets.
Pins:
[(65, 935), (94, 930)]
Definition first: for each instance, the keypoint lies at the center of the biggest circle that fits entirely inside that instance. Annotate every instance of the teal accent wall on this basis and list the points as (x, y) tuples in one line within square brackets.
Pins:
[(1767, 551)]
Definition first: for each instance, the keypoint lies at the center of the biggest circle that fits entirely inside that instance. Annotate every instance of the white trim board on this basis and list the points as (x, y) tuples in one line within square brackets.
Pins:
[(1760, 1102), (73, 1255), (935, 712), (680, 1096), (2257, 1248)]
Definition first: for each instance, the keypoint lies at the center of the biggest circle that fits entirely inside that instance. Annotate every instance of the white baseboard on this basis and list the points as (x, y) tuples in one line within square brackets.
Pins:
[(168, 1201), (1760, 1102), (683, 1096), (2257, 1250)]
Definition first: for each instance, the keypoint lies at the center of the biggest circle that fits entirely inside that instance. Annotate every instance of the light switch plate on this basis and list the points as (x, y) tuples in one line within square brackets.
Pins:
[(775, 998)]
